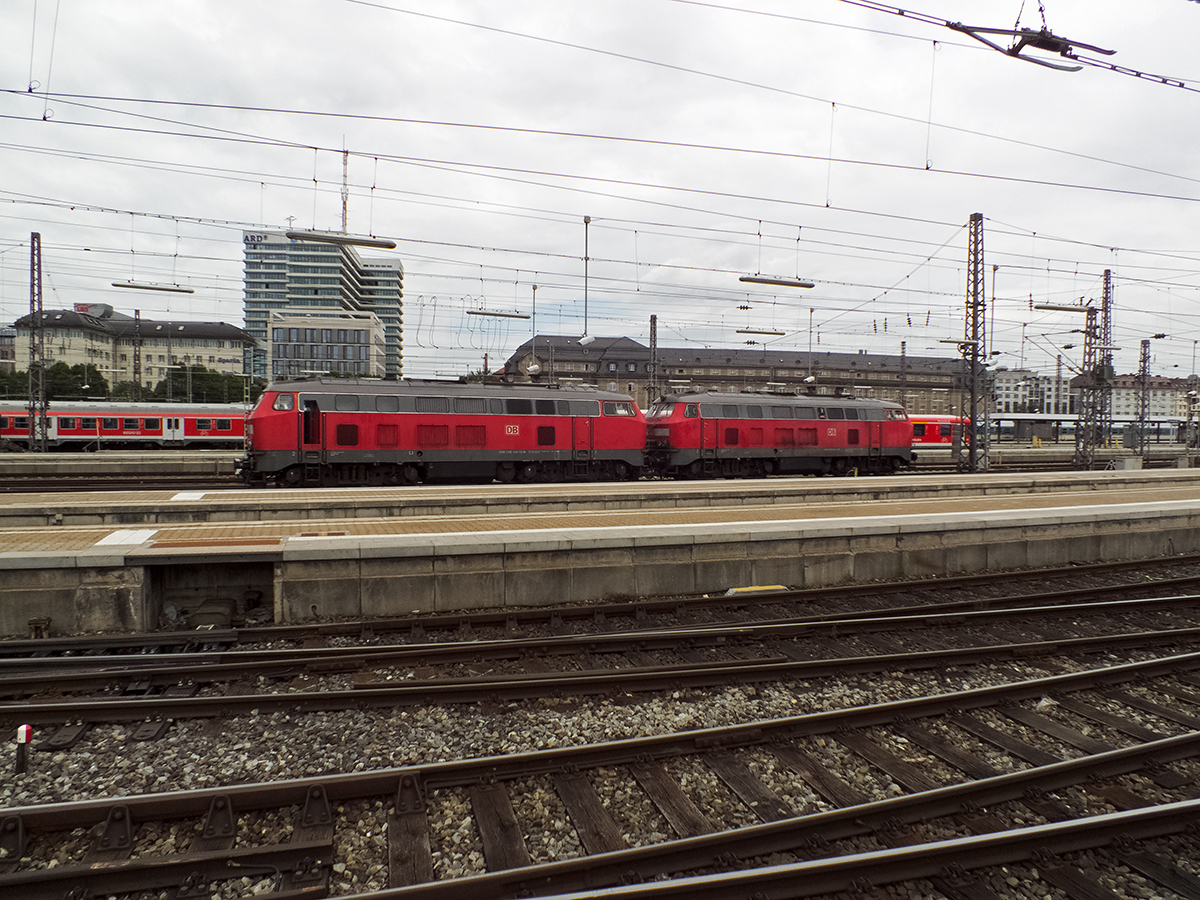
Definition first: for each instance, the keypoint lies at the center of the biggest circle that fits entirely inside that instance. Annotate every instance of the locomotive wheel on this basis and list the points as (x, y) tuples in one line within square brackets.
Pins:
[(292, 476), (410, 475), (505, 472), (620, 470), (528, 473)]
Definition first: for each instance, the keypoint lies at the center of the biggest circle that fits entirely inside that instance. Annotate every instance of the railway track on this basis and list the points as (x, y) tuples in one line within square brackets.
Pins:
[(1024, 772)]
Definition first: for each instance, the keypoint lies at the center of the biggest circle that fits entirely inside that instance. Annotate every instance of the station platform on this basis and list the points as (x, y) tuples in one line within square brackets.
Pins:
[(321, 554), (120, 463)]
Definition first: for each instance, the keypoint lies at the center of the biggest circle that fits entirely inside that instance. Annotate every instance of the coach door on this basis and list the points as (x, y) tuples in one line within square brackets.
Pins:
[(173, 429)]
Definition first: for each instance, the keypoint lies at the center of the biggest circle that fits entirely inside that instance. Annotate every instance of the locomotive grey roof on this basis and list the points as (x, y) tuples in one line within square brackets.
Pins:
[(767, 399), (443, 388)]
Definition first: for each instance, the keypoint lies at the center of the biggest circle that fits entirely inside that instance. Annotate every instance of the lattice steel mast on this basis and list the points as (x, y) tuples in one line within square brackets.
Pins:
[(1087, 424), (1105, 399), (974, 401), (38, 423)]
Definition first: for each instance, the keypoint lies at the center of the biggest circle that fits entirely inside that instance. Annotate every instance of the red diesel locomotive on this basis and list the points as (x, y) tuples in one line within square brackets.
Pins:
[(329, 431), (749, 435)]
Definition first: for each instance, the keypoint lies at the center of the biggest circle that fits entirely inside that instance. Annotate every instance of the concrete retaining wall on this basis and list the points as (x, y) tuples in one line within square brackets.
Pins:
[(395, 575)]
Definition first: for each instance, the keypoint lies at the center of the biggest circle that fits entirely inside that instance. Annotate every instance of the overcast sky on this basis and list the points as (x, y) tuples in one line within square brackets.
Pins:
[(818, 139)]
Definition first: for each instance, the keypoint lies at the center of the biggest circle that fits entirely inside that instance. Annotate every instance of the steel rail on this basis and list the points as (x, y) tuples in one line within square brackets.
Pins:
[(852, 873), (176, 804), (637, 608), (22, 675), (499, 688), (523, 686), (807, 831)]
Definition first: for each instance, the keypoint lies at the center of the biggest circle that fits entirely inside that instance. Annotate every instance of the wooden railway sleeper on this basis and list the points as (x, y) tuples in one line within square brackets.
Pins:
[(12, 842)]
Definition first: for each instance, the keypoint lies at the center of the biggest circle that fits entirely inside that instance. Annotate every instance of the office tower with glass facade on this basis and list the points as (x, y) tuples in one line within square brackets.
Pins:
[(315, 281)]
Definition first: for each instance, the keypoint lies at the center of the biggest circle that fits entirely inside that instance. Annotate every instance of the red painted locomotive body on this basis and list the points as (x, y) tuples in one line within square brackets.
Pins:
[(114, 425), (726, 435), (339, 432)]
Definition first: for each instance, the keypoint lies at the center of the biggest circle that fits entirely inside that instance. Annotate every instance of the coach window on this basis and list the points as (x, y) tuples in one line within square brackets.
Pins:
[(129, 424), (108, 424), (691, 411), (347, 435), (204, 424), (519, 407), (284, 402), (345, 402), (585, 407), (947, 430), (156, 424), (919, 429), (3, 421), (66, 423), (222, 424), (87, 424), (544, 407), (618, 408)]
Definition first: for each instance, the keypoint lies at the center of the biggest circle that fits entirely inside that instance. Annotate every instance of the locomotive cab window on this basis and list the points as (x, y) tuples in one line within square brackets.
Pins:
[(284, 402), (618, 408), (691, 411)]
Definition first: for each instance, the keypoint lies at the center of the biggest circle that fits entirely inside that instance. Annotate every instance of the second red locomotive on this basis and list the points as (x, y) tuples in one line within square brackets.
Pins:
[(739, 435)]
